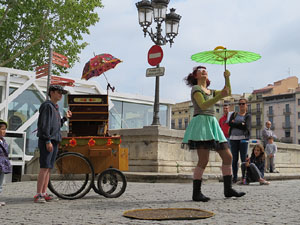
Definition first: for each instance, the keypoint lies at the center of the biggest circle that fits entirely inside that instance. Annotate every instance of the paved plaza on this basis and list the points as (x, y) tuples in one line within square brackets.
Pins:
[(278, 203)]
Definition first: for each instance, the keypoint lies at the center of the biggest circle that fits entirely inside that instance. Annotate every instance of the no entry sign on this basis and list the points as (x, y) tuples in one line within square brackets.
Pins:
[(155, 55)]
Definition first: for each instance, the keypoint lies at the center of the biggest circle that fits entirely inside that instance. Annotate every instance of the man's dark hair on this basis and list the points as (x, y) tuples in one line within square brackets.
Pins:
[(57, 88), (2, 122)]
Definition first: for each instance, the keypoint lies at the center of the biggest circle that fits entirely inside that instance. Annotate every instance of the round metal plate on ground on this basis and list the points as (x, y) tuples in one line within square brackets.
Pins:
[(168, 214)]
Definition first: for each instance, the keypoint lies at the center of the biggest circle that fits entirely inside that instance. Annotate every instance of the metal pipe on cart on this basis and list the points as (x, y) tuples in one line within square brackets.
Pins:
[(108, 85)]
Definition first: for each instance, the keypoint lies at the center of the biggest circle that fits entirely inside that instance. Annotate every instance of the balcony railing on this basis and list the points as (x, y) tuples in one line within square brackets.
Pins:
[(286, 125), (256, 111), (270, 113), (287, 111)]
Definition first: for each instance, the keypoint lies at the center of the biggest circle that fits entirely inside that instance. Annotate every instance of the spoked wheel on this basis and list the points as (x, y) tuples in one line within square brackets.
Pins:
[(72, 176), (95, 184), (112, 183), (96, 189)]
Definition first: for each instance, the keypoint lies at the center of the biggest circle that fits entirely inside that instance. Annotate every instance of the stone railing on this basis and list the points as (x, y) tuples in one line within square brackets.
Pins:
[(158, 149)]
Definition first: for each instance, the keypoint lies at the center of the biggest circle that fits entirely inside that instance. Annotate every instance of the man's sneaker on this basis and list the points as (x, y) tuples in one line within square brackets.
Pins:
[(39, 199), (48, 197)]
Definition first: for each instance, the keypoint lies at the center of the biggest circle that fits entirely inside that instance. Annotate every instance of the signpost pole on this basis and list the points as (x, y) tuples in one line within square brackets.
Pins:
[(155, 56), (156, 102)]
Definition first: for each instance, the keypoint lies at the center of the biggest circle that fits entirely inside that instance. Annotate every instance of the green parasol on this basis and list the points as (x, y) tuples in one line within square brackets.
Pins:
[(221, 55)]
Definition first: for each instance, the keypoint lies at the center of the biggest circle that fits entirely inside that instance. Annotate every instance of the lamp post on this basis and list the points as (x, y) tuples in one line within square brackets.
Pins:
[(158, 10)]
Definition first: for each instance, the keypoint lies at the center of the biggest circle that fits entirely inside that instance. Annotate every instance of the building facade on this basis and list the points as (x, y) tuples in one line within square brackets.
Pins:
[(297, 116), (182, 114), (280, 110), (256, 109), (275, 103)]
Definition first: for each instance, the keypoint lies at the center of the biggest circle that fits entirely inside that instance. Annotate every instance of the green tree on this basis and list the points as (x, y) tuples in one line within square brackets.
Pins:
[(28, 27)]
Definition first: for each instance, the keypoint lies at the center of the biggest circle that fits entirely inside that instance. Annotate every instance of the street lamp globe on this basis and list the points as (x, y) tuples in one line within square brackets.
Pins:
[(172, 24), (145, 11), (160, 9)]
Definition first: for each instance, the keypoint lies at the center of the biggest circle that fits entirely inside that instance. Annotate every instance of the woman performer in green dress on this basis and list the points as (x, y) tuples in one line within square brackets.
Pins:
[(204, 133)]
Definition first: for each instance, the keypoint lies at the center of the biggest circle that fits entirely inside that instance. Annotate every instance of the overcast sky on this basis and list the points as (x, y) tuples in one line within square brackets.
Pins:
[(267, 27)]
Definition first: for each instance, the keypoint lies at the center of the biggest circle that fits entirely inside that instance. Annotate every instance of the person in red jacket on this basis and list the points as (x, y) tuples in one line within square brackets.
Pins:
[(223, 121)]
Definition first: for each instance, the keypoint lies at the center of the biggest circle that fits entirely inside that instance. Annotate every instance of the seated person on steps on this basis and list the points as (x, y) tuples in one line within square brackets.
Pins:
[(253, 168)]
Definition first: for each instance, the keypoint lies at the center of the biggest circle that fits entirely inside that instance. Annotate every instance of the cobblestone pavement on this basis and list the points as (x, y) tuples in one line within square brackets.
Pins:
[(278, 203)]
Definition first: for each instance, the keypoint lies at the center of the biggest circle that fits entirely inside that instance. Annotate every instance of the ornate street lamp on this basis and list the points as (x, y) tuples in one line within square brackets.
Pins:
[(158, 10), (172, 25)]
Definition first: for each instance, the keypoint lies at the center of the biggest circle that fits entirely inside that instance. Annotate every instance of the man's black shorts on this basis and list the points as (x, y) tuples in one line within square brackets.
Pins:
[(47, 158)]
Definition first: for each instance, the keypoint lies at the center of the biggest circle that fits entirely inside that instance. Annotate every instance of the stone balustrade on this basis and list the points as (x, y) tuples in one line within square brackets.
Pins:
[(158, 149)]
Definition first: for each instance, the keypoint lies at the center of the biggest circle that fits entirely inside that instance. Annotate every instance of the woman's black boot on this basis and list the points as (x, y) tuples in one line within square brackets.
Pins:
[(228, 190), (197, 194)]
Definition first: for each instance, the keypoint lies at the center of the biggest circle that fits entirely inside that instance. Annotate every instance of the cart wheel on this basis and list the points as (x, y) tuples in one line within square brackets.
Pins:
[(72, 176), (94, 186), (112, 183)]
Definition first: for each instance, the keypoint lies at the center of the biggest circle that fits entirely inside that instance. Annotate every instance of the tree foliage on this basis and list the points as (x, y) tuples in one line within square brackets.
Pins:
[(29, 27)]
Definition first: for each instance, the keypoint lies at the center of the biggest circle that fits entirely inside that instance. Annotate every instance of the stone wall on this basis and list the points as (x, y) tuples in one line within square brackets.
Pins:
[(158, 149)]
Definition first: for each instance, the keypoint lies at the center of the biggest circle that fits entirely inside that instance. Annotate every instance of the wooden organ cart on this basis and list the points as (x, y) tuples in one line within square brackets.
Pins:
[(89, 157)]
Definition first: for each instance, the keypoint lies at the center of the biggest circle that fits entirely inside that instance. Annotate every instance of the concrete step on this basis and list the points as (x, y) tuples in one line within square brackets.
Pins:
[(153, 177)]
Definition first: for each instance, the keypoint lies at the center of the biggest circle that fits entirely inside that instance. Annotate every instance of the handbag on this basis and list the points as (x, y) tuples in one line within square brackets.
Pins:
[(5, 166)]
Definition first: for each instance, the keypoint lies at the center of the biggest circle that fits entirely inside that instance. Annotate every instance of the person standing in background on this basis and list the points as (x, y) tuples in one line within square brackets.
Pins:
[(5, 166), (267, 132), (223, 122), (271, 150), (239, 134), (49, 125)]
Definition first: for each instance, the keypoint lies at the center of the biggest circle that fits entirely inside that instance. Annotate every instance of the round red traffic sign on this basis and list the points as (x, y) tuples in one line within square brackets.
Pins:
[(155, 55)]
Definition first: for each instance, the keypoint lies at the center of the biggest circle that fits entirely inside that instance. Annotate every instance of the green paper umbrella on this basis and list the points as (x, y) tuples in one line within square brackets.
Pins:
[(223, 56)]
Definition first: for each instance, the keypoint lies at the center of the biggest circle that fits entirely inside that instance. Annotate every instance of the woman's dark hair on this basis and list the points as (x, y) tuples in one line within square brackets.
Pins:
[(261, 157), (190, 80)]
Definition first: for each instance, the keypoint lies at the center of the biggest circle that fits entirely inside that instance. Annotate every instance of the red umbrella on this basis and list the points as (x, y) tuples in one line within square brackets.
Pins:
[(98, 65)]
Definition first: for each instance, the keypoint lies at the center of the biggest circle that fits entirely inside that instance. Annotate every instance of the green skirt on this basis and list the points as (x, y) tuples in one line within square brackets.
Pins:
[(204, 131)]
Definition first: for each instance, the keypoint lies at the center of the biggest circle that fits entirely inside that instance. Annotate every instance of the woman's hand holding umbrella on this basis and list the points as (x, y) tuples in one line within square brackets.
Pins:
[(225, 92), (227, 82), (226, 74)]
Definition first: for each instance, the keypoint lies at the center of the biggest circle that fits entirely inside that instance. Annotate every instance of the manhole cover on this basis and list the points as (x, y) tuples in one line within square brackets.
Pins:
[(168, 214)]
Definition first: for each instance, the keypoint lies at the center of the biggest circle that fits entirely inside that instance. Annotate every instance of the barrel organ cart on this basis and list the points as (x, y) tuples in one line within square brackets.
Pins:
[(89, 157)]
